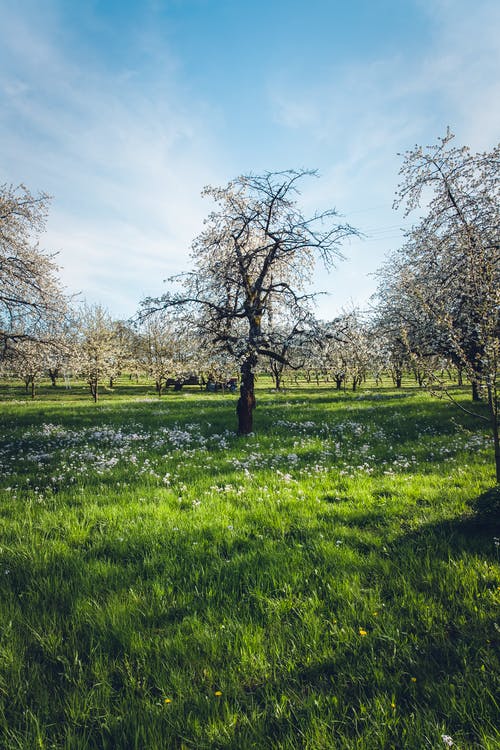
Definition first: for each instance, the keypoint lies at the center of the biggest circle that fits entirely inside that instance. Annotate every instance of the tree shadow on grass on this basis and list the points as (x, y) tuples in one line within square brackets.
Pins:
[(159, 585), (433, 646)]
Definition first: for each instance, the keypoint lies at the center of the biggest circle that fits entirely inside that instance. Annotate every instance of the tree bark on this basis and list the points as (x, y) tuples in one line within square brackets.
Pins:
[(493, 409), (476, 396), (276, 371), (246, 401)]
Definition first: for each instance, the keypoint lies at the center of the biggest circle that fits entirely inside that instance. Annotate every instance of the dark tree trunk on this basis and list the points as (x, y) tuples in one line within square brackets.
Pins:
[(476, 396), (33, 388), (246, 401), (276, 371), (53, 375), (338, 383), (493, 409), (397, 376)]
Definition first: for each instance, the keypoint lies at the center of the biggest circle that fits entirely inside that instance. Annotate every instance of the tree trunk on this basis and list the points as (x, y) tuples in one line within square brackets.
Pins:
[(32, 387), (496, 443), (338, 383), (493, 409), (476, 396), (276, 371), (53, 374), (246, 401)]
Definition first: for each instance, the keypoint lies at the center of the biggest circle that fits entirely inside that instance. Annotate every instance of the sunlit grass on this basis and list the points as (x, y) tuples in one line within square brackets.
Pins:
[(322, 583)]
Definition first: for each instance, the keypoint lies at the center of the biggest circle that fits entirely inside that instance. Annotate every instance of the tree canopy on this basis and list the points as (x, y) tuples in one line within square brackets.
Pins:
[(254, 258), (30, 292)]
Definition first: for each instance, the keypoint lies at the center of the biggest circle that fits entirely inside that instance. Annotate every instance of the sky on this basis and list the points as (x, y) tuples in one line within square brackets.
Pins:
[(124, 110)]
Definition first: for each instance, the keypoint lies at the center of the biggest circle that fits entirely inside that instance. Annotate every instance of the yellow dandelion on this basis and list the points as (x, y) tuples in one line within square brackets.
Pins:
[(168, 700), (375, 614), (393, 705), (218, 693), (362, 631), (413, 679)]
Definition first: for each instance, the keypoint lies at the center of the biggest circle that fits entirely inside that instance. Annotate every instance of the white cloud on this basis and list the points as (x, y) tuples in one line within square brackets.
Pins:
[(125, 160), (364, 115), (126, 148)]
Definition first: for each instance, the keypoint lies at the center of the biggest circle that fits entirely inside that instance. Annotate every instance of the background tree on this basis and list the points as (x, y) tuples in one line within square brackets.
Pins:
[(329, 354), (256, 254), (98, 347), (27, 359), (294, 341), (30, 291), (159, 344), (388, 341), (355, 347), (32, 359)]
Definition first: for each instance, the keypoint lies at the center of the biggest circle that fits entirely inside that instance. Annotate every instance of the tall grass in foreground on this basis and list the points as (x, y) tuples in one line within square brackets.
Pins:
[(328, 582)]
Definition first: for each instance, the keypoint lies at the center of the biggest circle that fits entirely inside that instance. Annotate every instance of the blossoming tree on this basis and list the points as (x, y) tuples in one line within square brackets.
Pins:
[(255, 255), (442, 288), (30, 292)]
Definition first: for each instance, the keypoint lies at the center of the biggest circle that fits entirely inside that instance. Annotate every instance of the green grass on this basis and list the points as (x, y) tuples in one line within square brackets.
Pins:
[(331, 581)]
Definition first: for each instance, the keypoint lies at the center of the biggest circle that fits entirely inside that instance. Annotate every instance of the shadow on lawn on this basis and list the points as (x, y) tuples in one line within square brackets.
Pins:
[(157, 585), (454, 643)]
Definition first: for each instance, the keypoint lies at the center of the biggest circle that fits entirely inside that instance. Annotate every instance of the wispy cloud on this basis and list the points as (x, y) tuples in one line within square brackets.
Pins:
[(125, 159), (362, 114), (100, 112)]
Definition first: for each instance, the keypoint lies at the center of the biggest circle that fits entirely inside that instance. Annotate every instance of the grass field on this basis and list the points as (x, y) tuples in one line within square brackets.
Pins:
[(331, 581)]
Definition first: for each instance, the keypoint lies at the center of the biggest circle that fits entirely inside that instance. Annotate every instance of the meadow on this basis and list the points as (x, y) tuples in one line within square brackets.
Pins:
[(329, 582)]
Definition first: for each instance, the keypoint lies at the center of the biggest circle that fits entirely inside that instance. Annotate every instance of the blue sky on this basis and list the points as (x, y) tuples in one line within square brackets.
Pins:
[(123, 111)]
